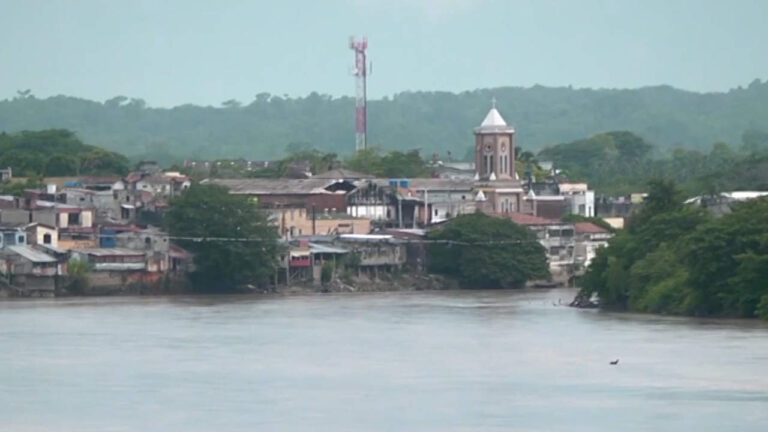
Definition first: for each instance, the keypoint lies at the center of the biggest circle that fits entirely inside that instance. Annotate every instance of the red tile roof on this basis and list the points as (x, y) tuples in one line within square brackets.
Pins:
[(588, 228)]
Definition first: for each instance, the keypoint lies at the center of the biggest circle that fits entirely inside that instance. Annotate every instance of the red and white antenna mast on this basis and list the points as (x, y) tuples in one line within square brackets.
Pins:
[(361, 101)]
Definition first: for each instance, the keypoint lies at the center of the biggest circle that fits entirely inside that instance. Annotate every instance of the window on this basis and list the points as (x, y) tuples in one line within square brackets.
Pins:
[(147, 241), (46, 239), (73, 219)]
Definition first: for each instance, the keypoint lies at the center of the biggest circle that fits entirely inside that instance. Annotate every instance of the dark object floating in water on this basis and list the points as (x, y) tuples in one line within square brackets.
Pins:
[(615, 362)]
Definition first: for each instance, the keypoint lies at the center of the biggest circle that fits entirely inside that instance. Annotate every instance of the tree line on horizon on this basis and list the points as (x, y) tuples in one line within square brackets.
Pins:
[(433, 122)]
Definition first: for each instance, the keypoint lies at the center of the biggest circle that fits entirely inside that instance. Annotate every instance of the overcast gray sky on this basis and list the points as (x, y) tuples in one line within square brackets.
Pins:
[(171, 52)]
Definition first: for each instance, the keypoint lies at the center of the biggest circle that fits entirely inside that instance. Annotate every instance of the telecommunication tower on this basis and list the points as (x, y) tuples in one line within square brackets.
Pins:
[(361, 101)]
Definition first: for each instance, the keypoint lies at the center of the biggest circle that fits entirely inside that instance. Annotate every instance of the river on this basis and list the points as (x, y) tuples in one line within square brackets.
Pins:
[(427, 361)]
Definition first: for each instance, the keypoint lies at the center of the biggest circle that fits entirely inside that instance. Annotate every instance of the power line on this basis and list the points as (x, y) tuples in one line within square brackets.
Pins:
[(199, 239)]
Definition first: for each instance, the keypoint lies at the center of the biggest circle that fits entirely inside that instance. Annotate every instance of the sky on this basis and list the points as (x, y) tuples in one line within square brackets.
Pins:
[(174, 52)]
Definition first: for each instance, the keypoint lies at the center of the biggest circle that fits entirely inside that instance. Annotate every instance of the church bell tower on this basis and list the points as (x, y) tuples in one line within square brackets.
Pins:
[(494, 148)]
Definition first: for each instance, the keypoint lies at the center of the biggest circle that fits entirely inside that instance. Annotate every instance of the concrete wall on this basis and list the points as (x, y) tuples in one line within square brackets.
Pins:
[(47, 217), (14, 216)]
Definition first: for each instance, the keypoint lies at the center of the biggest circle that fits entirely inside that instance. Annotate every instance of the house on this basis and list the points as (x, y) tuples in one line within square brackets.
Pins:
[(318, 193), (8, 202), (115, 269), (579, 199), (112, 259), (102, 184), (546, 206), (420, 202), (557, 238), (42, 234), (167, 185), (29, 270), (6, 174), (374, 252), (589, 238), (153, 242), (75, 224), (12, 235), (370, 199), (294, 221), (108, 234)]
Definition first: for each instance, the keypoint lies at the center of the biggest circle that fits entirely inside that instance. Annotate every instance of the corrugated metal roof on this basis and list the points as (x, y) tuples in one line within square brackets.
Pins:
[(109, 252), (318, 248), (53, 249), (269, 186), (31, 254)]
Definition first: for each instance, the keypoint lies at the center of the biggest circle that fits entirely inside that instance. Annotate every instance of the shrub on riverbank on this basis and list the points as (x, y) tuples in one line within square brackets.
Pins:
[(486, 252), (680, 260)]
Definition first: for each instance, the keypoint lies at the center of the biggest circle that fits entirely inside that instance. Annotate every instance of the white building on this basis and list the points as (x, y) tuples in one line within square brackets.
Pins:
[(579, 199)]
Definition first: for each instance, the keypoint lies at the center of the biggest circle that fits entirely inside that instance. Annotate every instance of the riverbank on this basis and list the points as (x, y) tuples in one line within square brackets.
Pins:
[(385, 283)]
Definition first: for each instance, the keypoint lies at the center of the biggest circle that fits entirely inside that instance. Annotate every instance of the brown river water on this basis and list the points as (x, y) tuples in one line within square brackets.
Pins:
[(427, 361)]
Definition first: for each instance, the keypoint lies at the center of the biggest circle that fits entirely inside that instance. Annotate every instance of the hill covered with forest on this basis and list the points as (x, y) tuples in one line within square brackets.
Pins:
[(432, 121)]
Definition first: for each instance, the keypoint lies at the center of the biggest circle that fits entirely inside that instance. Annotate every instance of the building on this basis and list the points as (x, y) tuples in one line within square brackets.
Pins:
[(111, 259), (28, 270), (578, 198), (497, 188), (314, 193), (589, 238), (374, 252), (42, 234), (6, 174), (12, 234), (296, 221)]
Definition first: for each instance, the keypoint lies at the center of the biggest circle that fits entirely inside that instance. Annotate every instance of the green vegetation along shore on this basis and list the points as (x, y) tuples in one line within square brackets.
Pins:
[(680, 260)]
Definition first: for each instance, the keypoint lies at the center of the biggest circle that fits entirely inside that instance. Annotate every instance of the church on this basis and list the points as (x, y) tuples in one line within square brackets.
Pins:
[(497, 188)]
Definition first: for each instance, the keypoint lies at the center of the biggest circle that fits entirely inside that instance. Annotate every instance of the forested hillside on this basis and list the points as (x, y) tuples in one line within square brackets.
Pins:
[(54, 153), (434, 121), (620, 162)]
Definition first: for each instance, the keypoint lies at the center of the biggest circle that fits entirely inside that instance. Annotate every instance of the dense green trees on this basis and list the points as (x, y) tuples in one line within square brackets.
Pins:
[(680, 260), (56, 152), (432, 121), (370, 161), (233, 243), (486, 252), (621, 162), (389, 165)]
